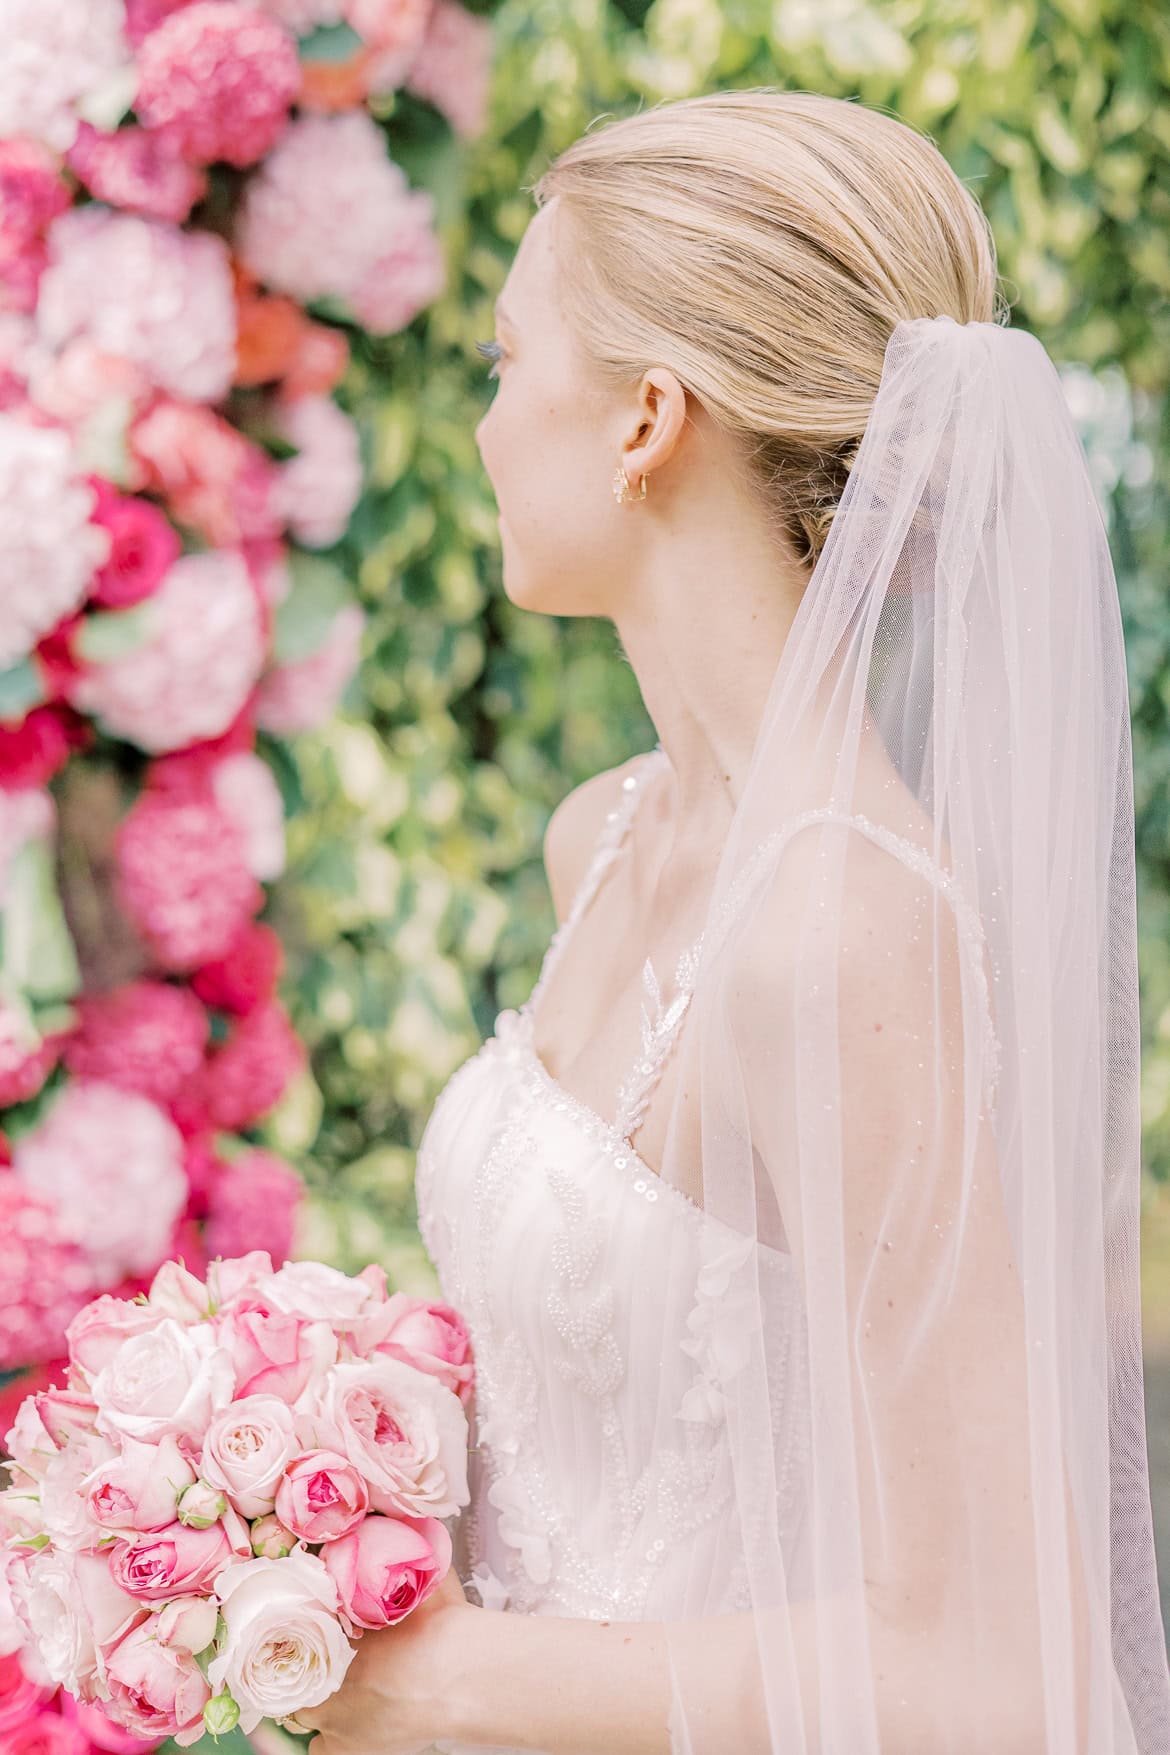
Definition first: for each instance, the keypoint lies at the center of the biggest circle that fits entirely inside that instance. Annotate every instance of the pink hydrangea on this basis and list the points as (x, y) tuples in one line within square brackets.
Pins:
[(452, 70), (330, 215), (146, 292), (253, 1205), (145, 1036), (249, 1072), (213, 478), (321, 485), (300, 696), (32, 189), (246, 975), (111, 1162), (203, 650), (59, 57), (217, 80), (143, 16), (45, 1277), (143, 547), (49, 550), (183, 879), (137, 171)]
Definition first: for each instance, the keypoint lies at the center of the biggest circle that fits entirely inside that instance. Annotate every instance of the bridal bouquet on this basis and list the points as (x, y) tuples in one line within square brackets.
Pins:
[(240, 1476)]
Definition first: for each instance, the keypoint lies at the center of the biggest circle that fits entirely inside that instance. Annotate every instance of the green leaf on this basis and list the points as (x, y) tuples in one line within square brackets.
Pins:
[(20, 689), (111, 634), (334, 43), (303, 620)]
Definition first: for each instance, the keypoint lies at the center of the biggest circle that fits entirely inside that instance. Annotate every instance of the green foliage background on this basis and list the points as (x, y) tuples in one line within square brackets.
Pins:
[(415, 903)]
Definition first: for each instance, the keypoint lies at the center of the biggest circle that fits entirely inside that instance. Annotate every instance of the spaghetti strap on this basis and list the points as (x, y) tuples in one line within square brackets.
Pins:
[(613, 833)]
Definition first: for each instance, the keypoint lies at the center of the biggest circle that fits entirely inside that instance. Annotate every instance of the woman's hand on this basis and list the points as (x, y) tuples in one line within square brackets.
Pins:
[(393, 1700)]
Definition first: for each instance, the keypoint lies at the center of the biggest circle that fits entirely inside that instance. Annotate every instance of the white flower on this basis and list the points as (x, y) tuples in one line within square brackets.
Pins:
[(62, 60), (246, 791), (49, 550), (246, 1450), (283, 1647), (166, 1382)]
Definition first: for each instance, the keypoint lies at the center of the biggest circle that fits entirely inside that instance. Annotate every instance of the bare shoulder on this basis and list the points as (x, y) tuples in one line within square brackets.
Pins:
[(574, 827)]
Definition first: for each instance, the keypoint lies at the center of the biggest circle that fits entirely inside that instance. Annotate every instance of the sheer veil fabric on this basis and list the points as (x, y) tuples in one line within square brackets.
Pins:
[(913, 1048)]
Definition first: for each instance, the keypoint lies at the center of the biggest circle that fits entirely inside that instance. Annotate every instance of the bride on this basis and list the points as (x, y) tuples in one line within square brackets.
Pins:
[(795, 1214)]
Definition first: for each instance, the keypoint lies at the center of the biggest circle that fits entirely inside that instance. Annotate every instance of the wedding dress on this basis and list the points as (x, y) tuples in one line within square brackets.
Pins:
[(595, 1294)]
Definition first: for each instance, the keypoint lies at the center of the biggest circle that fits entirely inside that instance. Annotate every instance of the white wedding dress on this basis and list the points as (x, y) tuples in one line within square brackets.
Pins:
[(593, 1290)]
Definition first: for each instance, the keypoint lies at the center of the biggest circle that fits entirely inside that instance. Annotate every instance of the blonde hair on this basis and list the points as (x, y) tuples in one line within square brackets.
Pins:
[(763, 244)]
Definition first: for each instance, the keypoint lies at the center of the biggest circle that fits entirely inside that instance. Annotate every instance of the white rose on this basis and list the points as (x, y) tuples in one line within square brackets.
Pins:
[(313, 1290), (165, 1383), (246, 1450), (403, 1430), (176, 1292), (65, 1515), (283, 1647), (72, 1607)]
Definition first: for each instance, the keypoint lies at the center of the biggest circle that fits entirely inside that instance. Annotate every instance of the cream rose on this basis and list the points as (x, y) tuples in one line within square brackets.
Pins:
[(247, 1448), (165, 1383), (283, 1647)]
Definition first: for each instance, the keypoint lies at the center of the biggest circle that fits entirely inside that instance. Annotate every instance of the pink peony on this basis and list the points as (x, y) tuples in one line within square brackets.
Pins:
[(202, 650), (146, 1036), (156, 1690), (245, 975), (216, 82), (254, 1205), (49, 550), (387, 1566), (143, 547), (112, 1163), (58, 58), (213, 478), (452, 70), (183, 879), (32, 189), (44, 1275), (330, 215), (137, 171), (321, 485), (302, 695), (146, 292), (321, 1496)]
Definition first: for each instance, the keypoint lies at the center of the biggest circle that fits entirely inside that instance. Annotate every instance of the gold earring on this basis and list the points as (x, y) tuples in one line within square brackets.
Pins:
[(622, 491)]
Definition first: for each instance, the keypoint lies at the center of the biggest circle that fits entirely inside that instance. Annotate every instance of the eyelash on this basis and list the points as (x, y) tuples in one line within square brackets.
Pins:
[(491, 350)]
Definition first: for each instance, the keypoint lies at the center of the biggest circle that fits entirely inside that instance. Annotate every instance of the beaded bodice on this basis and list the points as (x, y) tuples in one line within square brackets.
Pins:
[(596, 1294)]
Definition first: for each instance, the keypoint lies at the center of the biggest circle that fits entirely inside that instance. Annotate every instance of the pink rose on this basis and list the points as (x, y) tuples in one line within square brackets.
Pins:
[(256, 1198), (230, 1281), (175, 1292), (431, 1336), (247, 1448), (271, 1540), (66, 1414), (402, 1430), (321, 1496), (19, 1694), (140, 1490), (187, 1623), (143, 547), (387, 1566), (155, 1689), (175, 1561), (315, 1290), (97, 1331), (276, 1354), (75, 1611)]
